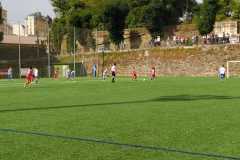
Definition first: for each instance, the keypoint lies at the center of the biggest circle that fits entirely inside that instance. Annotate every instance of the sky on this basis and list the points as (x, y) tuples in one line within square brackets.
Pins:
[(18, 10)]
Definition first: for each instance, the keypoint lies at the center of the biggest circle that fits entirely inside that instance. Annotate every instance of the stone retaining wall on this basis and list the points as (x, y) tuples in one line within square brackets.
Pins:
[(194, 61)]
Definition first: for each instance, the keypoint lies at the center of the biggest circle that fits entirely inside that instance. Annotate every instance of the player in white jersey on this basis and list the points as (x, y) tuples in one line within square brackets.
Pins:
[(222, 71), (113, 70), (9, 73), (35, 74), (105, 74)]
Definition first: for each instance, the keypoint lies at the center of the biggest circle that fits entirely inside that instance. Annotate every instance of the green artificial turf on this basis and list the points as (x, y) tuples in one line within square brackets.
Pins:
[(76, 120)]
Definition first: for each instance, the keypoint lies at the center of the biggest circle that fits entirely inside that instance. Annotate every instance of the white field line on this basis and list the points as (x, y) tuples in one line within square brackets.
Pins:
[(11, 84)]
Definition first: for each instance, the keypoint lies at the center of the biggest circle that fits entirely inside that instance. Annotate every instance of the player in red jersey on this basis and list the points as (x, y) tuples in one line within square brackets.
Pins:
[(134, 74), (153, 73), (29, 78)]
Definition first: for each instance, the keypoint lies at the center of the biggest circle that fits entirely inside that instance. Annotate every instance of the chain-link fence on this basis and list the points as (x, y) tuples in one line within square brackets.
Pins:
[(71, 49)]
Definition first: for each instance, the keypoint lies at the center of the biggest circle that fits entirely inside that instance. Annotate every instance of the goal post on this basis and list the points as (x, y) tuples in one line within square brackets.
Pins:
[(228, 67)]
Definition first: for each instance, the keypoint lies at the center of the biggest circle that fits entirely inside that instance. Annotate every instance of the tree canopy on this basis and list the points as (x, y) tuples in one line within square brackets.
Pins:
[(116, 15), (207, 16)]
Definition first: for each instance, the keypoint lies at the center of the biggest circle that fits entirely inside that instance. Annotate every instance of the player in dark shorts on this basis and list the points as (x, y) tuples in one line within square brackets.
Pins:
[(153, 73), (113, 70), (134, 74)]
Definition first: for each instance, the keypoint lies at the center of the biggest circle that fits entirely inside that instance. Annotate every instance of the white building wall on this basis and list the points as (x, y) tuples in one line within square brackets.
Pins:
[(16, 28), (30, 24), (226, 27)]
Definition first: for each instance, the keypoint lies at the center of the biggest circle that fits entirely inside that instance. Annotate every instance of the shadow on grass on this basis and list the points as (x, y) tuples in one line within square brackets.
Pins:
[(176, 98), (193, 98)]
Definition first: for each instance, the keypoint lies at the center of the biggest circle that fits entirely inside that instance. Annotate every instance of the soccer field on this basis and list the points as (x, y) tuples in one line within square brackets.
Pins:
[(167, 119)]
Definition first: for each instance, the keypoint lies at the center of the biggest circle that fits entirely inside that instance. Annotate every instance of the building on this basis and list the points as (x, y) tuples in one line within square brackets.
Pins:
[(28, 40), (4, 15), (37, 25), (230, 28), (19, 29), (5, 27)]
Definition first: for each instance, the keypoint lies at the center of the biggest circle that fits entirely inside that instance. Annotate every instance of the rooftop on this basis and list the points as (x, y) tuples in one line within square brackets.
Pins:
[(13, 39)]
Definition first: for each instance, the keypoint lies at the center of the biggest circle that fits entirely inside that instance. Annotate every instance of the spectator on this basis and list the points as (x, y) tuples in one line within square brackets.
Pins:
[(157, 41)]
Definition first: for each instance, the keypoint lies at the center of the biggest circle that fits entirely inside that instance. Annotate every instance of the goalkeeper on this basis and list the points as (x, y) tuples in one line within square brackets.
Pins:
[(222, 71)]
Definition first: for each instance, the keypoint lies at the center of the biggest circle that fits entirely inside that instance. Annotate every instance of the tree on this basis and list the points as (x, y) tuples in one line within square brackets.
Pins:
[(207, 16), (136, 14), (74, 14), (60, 6), (113, 17), (135, 17), (224, 9), (138, 3), (235, 9), (116, 15), (155, 14), (154, 19), (228, 9), (58, 30), (81, 17)]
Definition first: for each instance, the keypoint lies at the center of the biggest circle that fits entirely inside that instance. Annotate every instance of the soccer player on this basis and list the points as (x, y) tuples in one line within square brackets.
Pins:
[(29, 78), (35, 73), (113, 70), (222, 71), (9, 73), (153, 73), (105, 72), (67, 73), (134, 74), (72, 74)]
